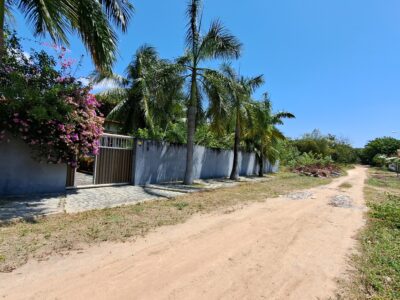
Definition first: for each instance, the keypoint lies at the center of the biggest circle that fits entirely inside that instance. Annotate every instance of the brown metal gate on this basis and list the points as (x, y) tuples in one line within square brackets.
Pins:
[(114, 162), (70, 176)]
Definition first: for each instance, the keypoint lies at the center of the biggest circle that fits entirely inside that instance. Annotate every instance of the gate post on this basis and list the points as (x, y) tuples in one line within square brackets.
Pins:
[(135, 141), (70, 182)]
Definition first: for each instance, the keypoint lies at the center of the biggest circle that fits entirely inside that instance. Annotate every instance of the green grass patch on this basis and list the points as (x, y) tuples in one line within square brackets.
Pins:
[(379, 263), (377, 266), (181, 205)]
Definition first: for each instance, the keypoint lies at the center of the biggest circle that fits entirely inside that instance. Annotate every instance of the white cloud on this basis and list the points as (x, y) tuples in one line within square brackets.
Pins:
[(85, 81), (26, 54), (105, 84)]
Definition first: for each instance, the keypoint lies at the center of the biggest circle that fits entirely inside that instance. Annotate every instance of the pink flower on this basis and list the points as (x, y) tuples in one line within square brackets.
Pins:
[(61, 127)]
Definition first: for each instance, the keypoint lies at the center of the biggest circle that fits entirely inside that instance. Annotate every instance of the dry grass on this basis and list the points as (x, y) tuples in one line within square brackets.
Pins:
[(39, 239), (383, 179)]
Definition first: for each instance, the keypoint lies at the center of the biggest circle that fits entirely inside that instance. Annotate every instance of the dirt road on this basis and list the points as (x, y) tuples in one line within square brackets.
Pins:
[(292, 247)]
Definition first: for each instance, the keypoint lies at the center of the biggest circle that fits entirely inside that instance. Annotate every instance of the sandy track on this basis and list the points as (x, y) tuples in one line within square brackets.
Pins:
[(280, 249)]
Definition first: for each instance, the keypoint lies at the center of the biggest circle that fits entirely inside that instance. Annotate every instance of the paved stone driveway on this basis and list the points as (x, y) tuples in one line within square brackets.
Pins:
[(103, 197), (99, 198)]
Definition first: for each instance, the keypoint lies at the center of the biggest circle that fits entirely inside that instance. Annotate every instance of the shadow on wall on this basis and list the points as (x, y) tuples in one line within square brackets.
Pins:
[(212, 163), (21, 174), (157, 162)]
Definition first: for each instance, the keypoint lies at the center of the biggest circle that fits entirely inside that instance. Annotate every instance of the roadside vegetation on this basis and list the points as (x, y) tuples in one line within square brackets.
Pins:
[(59, 234), (316, 154), (376, 272), (373, 150)]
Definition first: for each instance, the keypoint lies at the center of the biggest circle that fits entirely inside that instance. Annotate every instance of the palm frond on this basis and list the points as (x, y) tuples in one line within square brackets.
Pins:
[(115, 92), (9, 17), (89, 21), (284, 115), (145, 57), (253, 83), (47, 16), (192, 32), (119, 11), (219, 43), (229, 71), (220, 107), (118, 112), (185, 60), (111, 78)]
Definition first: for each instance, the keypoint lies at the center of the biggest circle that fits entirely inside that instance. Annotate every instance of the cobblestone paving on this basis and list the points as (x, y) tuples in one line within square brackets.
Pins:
[(103, 197), (83, 179), (12, 208), (99, 198)]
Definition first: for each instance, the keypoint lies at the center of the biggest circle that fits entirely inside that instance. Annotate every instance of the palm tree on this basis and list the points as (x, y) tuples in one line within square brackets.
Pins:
[(263, 135), (90, 19), (151, 94), (216, 43), (239, 91)]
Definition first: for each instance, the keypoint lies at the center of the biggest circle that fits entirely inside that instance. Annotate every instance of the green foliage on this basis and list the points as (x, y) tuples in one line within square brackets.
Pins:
[(310, 159), (206, 137), (385, 145), (176, 133), (287, 152), (313, 142), (108, 102), (92, 20), (326, 145), (263, 136), (344, 153), (379, 160), (151, 96)]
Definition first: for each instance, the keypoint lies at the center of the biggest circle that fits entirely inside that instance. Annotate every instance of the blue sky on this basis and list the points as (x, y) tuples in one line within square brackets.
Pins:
[(335, 64)]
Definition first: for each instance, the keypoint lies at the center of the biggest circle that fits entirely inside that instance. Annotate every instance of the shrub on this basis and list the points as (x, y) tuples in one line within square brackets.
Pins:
[(313, 142), (47, 108), (380, 146), (338, 149), (311, 159), (176, 133), (379, 160)]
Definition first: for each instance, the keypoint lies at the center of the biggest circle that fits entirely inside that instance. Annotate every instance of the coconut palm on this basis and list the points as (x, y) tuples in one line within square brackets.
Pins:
[(91, 19), (216, 43), (264, 136), (239, 90), (151, 94)]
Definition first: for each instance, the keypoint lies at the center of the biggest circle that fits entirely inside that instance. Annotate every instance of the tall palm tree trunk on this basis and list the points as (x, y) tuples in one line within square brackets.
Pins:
[(235, 167), (261, 165), (2, 15), (261, 162), (191, 119)]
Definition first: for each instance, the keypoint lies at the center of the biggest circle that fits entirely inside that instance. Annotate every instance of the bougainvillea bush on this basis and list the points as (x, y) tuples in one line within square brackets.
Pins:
[(41, 103)]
